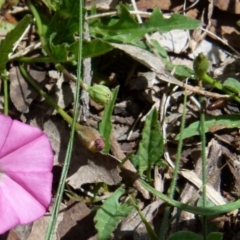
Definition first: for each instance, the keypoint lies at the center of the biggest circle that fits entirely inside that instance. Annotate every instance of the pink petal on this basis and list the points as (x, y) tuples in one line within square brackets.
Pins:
[(17, 206), (6, 123), (35, 156), (26, 160), (29, 181), (15, 134)]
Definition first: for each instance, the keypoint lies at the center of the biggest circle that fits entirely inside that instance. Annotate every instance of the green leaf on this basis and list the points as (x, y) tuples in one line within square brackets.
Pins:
[(60, 52), (65, 22), (65, 52), (6, 45), (105, 127), (176, 21), (215, 236), (151, 233), (178, 70), (52, 4), (161, 51), (186, 235), (204, 211), (233, 85), (212, 124), (208, 202), (92, 49), (110, 214), (127, 30), (151, 146)]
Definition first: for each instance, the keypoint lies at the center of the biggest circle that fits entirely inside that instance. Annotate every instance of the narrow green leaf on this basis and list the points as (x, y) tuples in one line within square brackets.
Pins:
[(203, 211), (233, 85), (212, 124), (186, 235), (151, 146), (151, 232), (6, 44), (110, 214), (105, 127), (208, 202)]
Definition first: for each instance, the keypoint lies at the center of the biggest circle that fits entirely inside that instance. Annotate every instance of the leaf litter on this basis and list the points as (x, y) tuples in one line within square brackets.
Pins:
[(130, 64)]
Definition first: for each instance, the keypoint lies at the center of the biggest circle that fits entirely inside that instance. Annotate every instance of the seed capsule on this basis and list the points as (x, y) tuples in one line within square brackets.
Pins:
[(91, 139)]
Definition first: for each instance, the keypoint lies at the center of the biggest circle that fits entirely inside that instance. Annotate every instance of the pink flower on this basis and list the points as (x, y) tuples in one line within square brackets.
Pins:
[(26, 161)]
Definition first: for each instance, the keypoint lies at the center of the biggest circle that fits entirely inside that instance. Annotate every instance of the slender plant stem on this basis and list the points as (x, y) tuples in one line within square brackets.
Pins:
[(36, 60), (204, 163), (5, 90), (40, 29), (66, 164), (206, 78), (48, 99), (165, 221), (45, 46)]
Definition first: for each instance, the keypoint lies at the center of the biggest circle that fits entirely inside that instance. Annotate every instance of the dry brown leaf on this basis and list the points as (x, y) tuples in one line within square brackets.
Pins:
[(191, 193), (94, 168), (11, 235), (133, 224), (163, 5), (21, 93), (85, 166), (232, 6), (143, 56), (62, 92), (40, 226), (77, 222), (23, 231)]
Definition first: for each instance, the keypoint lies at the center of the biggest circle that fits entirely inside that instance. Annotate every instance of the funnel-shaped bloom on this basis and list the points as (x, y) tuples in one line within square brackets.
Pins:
[(26, 160)]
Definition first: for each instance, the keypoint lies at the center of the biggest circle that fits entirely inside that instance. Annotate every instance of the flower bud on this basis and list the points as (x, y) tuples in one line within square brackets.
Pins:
[(100, 94), (91, 139), (200, 65)]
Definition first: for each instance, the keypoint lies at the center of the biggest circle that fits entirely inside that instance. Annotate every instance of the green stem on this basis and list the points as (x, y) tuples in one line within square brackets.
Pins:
[(66, 164), (5, 90), (165, 221), (35, 60), (45, 46), (207, 79), (49, 100), (40, 29), (204, 163), (149, 177)]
